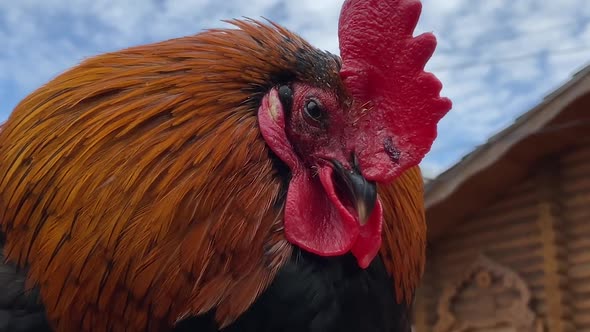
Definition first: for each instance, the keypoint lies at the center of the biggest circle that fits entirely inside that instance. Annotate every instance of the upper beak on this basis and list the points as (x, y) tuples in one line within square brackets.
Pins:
[(362, 193)]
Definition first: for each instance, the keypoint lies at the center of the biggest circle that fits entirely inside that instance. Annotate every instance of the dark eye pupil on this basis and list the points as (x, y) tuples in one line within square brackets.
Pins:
[(313, 110)]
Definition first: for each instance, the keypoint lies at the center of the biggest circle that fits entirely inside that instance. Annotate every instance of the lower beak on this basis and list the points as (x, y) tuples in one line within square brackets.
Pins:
[(362, 193)]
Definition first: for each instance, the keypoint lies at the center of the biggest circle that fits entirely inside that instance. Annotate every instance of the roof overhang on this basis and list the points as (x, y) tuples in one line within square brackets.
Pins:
[(561, 119)]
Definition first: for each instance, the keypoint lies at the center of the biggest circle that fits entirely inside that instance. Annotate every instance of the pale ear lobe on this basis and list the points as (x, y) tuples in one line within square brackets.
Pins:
[(271, 120)]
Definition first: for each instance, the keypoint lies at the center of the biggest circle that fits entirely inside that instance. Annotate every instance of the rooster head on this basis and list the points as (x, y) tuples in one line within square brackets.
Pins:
[(342, 135)]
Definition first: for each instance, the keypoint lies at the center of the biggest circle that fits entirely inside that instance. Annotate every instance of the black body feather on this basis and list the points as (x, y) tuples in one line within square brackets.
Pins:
[(20, 309), (316, 294)]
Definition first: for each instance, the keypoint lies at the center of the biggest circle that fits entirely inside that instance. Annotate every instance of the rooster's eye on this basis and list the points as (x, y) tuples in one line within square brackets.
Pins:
[(313, 110)]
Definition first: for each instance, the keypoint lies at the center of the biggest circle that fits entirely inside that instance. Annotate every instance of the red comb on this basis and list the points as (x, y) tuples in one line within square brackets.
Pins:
[(383, 69)]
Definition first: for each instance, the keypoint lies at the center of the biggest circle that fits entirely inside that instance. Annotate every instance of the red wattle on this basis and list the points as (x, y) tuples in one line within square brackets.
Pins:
[(318, 221), (313, 222), (368, 242)]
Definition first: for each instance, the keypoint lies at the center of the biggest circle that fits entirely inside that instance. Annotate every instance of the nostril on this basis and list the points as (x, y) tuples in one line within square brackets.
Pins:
[(355, 163), (393, 152)]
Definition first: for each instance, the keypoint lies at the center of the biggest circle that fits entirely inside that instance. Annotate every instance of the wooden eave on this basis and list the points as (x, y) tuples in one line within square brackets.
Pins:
[(561, 119)]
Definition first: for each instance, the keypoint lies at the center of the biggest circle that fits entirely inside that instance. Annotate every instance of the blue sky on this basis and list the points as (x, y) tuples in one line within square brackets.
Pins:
[(496, 58)]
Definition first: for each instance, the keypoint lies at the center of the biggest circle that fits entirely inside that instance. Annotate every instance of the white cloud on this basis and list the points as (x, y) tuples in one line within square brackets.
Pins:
[(42, 38)]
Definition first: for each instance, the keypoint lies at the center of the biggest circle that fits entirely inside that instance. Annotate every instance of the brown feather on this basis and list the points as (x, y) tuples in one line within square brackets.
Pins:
[(404, 232), (137, 187)]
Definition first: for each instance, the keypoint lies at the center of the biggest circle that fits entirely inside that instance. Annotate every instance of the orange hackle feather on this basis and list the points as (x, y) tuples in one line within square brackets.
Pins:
[(404, 232), (137, 189)]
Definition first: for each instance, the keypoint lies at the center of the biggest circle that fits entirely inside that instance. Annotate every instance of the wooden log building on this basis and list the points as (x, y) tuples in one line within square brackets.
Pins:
[(509, 227)]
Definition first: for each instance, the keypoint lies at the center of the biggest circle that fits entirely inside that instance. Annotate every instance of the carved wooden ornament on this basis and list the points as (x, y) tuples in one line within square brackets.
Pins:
[(489, 297)]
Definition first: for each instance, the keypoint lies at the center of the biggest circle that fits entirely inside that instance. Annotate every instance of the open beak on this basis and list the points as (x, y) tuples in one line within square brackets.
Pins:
[(362, 194)]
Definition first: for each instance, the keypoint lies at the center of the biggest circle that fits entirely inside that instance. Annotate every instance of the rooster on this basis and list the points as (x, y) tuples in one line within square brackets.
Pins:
[(236, 180)]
